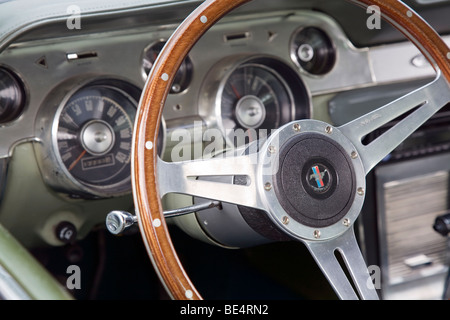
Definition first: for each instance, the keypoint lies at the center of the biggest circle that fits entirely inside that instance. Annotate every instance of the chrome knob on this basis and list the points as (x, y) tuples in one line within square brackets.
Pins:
[(117, 221)]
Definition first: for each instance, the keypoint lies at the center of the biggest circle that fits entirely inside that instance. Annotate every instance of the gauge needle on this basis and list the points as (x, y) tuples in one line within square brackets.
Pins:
[(235, 91), (77, 160)]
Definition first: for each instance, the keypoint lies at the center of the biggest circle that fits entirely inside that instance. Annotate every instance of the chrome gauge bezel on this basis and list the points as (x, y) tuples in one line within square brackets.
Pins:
[(54, 171), (331, 48), (22, 95), (185, 72), (118, 188)]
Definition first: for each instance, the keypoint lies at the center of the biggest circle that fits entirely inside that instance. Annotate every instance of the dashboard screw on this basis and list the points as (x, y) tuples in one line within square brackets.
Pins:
[(267, 186), (297, 127), (346, 222), (272, 149), (285, 220), (329, 129), (354, 155)]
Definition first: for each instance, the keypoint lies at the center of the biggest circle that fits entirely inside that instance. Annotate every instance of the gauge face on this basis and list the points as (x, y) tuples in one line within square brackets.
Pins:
[(184, 74), (255, 97), (11, 96), (94, 138), (313, 51)]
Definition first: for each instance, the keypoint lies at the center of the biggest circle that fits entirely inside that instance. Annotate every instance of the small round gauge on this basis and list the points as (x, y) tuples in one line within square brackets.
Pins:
[(184, 74), (313, 50), (94, 137), (12, 96), (255, 97)]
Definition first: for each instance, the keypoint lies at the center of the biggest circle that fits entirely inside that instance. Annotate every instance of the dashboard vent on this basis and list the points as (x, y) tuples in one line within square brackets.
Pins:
[(237, 36)]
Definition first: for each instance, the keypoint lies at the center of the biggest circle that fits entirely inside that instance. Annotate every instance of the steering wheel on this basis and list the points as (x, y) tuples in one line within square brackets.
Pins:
[(321, 216)]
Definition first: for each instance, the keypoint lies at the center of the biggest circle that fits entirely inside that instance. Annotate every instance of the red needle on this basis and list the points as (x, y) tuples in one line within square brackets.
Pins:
[(235, 91), (77, 160)]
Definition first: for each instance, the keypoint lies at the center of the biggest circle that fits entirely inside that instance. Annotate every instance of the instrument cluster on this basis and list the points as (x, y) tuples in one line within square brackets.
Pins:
[(233, 82)]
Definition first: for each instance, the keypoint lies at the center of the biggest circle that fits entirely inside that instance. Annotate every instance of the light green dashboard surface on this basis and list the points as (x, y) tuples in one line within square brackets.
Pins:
[(22, 266)]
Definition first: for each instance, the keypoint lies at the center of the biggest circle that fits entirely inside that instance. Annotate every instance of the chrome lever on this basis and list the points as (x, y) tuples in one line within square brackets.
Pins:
[(118, 221), (191, 209)]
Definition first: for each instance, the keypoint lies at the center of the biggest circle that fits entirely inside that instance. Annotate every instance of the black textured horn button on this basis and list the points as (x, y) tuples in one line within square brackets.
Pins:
[(315, 182)]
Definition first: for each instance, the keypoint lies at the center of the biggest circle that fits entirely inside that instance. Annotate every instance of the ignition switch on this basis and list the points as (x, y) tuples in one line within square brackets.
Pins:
[(66, 232)]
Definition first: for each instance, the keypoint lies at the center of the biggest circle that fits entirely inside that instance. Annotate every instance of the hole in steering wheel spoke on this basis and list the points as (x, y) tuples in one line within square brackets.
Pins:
[(378, 132), (242, 180), (340, 259)]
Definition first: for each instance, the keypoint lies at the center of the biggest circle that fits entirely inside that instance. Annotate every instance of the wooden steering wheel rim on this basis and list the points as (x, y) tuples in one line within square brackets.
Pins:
[(145, 185)]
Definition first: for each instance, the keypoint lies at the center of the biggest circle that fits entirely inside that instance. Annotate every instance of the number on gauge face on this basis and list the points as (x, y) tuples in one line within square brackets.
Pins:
[(94, 138)]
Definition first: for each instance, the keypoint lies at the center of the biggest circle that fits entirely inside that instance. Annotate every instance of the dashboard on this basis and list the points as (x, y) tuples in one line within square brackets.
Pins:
[(68, 101)]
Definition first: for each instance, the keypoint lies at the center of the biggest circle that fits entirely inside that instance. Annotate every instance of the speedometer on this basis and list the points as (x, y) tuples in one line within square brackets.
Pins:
[(94, 137), (85, 133)]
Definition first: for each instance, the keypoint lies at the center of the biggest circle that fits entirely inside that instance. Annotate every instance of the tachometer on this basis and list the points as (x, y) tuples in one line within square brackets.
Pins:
[(254, 97), (257, 96)]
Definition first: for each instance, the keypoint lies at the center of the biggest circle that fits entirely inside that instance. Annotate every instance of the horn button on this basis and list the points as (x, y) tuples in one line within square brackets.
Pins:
[(311, 180), (315, 182)]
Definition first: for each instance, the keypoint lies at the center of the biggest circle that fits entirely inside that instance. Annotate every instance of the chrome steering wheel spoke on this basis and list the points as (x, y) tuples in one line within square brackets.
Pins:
[(325, 254), (196, 178), (426, 101)]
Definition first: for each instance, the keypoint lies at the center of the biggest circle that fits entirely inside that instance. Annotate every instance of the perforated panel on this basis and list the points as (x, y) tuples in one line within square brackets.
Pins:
[(411, 205), (413, 257)]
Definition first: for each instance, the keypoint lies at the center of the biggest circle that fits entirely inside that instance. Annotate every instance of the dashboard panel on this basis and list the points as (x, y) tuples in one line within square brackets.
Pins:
[(294, 56), (68, 102)]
